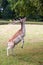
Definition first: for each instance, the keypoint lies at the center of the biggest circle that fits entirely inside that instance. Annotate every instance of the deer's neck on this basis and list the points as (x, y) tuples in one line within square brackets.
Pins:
[(23, 28)]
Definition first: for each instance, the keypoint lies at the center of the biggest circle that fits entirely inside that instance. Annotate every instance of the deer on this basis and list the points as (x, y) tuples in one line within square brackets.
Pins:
[(17, 37)]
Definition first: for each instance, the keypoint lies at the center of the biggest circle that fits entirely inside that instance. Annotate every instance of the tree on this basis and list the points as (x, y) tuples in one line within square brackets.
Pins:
[(0, 2), (32, 9)]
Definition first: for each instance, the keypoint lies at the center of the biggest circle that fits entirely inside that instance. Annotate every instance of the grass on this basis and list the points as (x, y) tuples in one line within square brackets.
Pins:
[(27, 22), (4, 22), (34, 22), (31, 54)]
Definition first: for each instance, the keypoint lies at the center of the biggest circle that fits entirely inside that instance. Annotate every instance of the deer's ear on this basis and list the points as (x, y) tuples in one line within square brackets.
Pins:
[(24, 19)]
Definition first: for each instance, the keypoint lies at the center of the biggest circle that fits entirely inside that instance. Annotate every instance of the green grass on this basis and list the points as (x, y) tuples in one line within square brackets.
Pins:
[(31, 54), (4, 22), (27, 22), (34, 22)]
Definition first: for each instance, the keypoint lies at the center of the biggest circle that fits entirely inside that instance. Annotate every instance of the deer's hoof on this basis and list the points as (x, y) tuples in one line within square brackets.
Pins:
[(22, 47)]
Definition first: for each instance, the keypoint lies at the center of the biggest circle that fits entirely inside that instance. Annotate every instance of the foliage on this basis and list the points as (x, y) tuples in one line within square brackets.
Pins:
[(32, 9)]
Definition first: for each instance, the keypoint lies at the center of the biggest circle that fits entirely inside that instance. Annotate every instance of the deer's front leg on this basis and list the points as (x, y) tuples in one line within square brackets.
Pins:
[(22, 42), (10, 47)]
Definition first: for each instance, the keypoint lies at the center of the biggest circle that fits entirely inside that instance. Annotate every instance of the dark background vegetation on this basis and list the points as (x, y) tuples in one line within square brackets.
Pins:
[(14, 9)]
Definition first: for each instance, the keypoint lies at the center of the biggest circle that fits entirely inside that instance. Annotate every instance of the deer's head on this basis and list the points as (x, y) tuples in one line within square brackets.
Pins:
[(22, 20), (19, 21)]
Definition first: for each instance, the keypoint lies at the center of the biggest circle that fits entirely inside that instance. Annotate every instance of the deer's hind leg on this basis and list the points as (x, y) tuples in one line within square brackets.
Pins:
[(10, 47)]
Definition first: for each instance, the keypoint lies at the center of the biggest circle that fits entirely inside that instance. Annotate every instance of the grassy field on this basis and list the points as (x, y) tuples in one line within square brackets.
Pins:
[(31, 54), (27, 22)]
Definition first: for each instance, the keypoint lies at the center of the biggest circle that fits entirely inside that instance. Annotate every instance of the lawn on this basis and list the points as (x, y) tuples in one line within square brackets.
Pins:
[(31, 54)]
